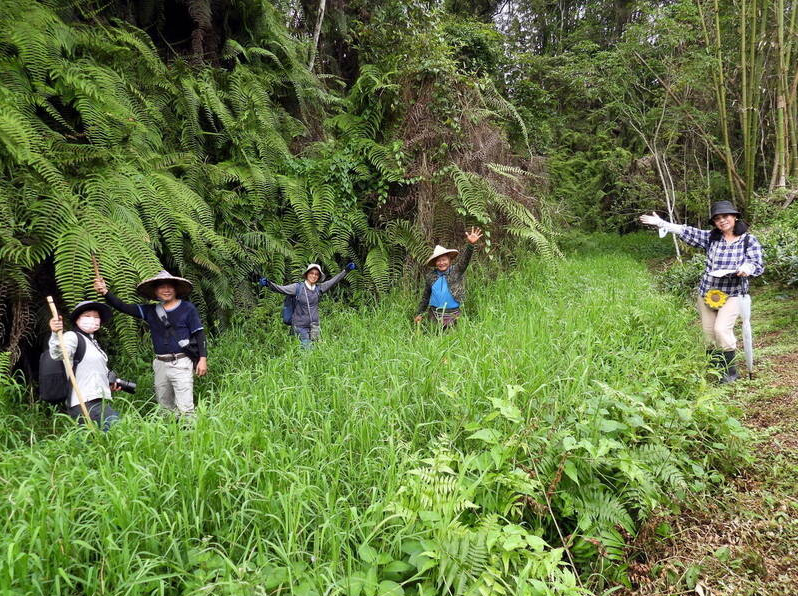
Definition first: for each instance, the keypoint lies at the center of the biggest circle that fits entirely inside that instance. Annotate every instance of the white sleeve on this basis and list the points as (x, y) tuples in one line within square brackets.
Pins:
[(70, 342)]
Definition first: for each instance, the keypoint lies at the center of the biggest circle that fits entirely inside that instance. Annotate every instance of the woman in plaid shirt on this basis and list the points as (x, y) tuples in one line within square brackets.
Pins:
[(733, 255)]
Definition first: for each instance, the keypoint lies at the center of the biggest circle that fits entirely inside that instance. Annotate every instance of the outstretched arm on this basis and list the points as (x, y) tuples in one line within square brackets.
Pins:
[(134, 310), (330, 283), (688, 235), (288, 290)]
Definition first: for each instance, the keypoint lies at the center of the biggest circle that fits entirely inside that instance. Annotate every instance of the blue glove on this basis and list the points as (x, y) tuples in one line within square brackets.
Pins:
[(350, 266), (263, 282)]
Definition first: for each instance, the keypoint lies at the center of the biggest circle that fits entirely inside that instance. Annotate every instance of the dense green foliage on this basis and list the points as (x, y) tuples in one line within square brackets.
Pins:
[(563, 411), (223, 172)]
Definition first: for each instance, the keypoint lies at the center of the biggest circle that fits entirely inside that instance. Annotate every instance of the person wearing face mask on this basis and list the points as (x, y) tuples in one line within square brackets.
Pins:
[(178, 337), (92, 373), (306, 295), (733, 256), (444, 289)]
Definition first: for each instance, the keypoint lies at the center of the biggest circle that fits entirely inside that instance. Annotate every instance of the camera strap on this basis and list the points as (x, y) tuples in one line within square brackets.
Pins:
[(160, 311)]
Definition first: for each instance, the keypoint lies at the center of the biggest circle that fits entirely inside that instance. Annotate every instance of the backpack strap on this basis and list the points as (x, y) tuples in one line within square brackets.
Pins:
[(298, 289), (80, 351)]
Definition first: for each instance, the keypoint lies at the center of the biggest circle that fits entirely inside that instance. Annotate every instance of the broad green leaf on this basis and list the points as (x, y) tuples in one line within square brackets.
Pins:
[(488, 435), (570, 470), (389, 588), (367, 553)]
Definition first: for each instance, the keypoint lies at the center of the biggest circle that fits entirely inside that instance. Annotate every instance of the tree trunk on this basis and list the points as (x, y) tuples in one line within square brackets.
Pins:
[(317, 33)]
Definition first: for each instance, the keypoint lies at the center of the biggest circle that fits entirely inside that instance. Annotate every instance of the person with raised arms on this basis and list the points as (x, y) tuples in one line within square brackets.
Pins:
[(178, 337), (301, 307), (444, 289), (733, 256)]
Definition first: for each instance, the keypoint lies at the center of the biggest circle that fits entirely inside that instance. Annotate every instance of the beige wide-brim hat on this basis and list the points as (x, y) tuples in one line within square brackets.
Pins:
[(440, 251), (182, 286), (317, 267)]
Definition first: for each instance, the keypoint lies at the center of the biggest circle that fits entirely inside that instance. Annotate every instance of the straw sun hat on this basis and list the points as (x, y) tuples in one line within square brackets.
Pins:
[(439, 251), (182, 286)]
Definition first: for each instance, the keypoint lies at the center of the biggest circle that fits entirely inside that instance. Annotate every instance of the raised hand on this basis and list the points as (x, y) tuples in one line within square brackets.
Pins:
[(99, 286), (262, 282), (474, 235), (350, 266)]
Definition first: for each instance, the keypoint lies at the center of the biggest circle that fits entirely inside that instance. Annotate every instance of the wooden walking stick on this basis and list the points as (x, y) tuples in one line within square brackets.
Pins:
[(68, 364)]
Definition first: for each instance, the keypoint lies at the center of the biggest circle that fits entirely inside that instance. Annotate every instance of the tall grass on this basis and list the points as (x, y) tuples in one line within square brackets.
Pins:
[(389, 460)]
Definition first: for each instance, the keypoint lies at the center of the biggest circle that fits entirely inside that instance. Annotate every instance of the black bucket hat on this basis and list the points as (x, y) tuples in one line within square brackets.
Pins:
[(722, 208), (105, 311)]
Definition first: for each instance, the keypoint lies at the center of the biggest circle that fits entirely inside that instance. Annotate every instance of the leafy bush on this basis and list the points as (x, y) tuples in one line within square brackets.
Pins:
[(682, 278), (567, 406), (780, 242)]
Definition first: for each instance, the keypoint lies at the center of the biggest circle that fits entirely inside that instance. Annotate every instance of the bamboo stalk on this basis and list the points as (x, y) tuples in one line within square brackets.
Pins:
[(68, 365), (733, 178), (780, 157)]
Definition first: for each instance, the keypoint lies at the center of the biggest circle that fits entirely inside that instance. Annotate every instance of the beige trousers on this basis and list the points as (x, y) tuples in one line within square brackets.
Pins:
[(174, 384), (718, 324)]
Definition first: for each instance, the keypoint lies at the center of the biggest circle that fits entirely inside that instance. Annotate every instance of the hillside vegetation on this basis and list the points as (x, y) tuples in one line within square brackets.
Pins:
[(519, 454)]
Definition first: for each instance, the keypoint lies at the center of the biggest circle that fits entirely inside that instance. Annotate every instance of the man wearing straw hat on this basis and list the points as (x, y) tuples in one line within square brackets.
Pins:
[(444, 289), (178, 337)]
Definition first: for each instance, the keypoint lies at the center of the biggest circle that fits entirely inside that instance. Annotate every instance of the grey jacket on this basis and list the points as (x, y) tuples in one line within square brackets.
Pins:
[(306, 309), (455, 278)]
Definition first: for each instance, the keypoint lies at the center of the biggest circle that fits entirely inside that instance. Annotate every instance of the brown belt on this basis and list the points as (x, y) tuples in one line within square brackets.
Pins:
[(170, 357)]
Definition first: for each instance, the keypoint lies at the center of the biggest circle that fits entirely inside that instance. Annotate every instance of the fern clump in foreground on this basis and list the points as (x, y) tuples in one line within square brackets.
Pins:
[(562, 412)]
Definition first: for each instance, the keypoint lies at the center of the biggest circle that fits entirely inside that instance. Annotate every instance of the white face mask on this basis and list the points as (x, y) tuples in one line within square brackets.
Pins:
[(88, 324)]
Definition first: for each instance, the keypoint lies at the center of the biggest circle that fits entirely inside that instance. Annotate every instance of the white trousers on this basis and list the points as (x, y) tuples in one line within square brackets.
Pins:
[(718, 324), (174, 384)]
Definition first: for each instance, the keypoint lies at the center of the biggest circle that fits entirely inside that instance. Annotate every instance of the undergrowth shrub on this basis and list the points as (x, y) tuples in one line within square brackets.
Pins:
[(780, 243), (517, 454)]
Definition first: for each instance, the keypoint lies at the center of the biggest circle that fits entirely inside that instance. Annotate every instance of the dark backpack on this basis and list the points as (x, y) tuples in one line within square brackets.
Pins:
[(289, 303), (54, 385)]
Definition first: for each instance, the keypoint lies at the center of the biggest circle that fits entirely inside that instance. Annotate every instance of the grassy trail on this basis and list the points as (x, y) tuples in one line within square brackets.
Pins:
[(743, 542), (538, 437)]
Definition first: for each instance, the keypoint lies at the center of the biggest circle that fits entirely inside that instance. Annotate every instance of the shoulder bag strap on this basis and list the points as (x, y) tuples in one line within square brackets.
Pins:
[(160, 311)]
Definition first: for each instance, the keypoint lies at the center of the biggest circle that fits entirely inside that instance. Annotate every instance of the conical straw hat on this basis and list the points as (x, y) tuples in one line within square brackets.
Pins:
[(440, 250), (182, 286)]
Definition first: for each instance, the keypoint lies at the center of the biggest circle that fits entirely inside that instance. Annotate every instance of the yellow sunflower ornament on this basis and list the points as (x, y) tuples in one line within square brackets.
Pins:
[(715, 299)]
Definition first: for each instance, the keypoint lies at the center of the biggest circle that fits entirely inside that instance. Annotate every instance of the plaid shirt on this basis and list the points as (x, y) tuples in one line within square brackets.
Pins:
[(725, 255)]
